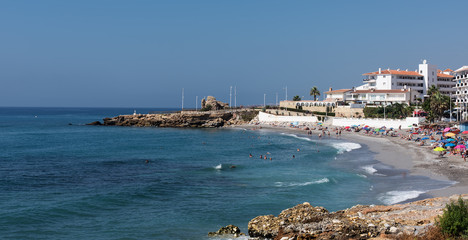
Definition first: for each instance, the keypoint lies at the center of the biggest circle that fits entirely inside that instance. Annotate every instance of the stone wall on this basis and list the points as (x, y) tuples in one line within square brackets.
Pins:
[(378, 122), (347, 111), (265, 117)]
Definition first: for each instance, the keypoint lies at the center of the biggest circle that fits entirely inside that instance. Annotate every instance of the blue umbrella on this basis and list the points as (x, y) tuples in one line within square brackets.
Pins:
[(449, 145), (451, 140), (433, 140), (382, 130), (444, 141), (424, 138)]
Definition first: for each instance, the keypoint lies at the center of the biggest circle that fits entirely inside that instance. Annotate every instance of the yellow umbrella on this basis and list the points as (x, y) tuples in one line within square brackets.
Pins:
[(450, 134), (439, 149)]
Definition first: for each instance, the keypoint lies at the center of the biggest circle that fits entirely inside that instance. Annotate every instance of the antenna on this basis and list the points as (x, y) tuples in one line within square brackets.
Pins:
[(276, 99), (235, 96), (264, 96), (182, 99), (230, 96), (196, 103)]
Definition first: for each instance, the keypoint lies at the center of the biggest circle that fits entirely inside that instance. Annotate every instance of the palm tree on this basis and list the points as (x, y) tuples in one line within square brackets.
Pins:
[(439, 103), (432, 90), (314, 92), (296, 98)]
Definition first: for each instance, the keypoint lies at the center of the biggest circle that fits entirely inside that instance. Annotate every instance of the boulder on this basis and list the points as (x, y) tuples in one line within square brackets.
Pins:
[(228, 230)]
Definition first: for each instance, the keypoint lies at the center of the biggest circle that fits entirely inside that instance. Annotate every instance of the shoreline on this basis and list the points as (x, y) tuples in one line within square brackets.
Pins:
[(405, 155)]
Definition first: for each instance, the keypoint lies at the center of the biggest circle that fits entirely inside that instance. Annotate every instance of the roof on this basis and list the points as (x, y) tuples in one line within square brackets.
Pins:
[(339, 91), (464, 68), (448, 70), (395, 72), (441, 75), (383, 91)]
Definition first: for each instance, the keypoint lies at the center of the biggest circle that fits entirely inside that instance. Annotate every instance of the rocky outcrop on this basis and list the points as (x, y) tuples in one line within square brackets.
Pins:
[(210, 103), (229, 230), (211, 119), (359, 222)]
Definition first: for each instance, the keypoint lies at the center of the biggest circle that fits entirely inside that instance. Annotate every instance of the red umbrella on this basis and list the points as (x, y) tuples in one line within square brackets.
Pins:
[(415, 133), (465, 132), (347, 127)]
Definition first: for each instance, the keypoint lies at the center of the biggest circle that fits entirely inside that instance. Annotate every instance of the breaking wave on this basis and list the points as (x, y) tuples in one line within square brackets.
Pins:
[(346, 146), (320, 181), (394, 197)]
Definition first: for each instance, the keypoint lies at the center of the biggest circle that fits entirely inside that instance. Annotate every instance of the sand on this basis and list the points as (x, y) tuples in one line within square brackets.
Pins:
[(403, 154)]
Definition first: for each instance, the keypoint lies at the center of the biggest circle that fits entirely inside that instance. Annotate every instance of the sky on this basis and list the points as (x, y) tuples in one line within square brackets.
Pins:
[(111, 53)]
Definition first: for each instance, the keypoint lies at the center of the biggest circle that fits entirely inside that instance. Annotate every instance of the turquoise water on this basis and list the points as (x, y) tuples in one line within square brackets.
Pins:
[(61, 179)]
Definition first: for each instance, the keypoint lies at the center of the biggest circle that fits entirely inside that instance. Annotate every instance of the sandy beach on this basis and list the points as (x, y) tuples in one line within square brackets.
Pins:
[(403, 154)]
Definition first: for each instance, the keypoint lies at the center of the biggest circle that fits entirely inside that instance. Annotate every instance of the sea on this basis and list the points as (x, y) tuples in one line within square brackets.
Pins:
[(63, 179)]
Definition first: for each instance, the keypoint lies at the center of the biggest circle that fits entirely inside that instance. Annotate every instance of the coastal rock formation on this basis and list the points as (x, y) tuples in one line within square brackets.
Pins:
[(359, 222), (212, 104), (211, 119), (228, 230)]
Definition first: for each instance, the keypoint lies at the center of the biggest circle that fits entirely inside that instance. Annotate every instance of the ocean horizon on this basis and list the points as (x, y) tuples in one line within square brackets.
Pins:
[(61, 178)]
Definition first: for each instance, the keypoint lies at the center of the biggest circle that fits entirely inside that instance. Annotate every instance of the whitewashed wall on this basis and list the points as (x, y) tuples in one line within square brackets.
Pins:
[(265, 117), (377, 122)]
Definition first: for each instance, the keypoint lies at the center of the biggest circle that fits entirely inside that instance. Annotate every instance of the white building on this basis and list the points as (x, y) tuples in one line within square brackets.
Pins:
[(461, 81), (373, 96), (419, 80)]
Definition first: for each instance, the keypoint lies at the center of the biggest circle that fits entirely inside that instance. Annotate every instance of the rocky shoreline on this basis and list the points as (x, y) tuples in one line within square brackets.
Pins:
[(305, 221), (185, 119)]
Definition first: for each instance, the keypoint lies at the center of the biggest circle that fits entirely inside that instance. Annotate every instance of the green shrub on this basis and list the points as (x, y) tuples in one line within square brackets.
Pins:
[(454, 221)]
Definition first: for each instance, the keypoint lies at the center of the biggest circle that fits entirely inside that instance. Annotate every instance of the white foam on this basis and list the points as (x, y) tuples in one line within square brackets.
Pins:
[(369, 169), (346, 146), (295, 136), (394, 197), (362, 175), (293, 184), (218, 167)]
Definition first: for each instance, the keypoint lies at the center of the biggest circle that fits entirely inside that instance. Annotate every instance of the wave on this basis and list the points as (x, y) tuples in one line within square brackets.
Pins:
[(346, 146), (369, 169), (218, 167), (295, 136), (320, 181), (394, 197)]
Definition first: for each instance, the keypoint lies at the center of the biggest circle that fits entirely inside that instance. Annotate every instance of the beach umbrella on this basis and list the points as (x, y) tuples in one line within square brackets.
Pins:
[(446, 129), (450, 140), (424, 138), (382, 130), (433, 140), (460, 146), (439, 149), (449, 145), (465, 132), (346, 127), (444, 141), (450, 134), (366, 126), (415, 133)]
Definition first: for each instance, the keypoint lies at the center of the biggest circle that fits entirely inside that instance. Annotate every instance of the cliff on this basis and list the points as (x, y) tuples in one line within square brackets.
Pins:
[(192, 119)]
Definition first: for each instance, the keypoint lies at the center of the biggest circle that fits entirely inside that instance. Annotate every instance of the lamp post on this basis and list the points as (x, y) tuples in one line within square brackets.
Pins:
[(384, 114), (264, 97)]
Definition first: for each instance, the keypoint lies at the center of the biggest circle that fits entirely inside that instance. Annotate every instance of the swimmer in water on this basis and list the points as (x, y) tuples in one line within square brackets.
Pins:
[(250, 155), (147, 161), (298, 150), (294, 156), (261, 156)]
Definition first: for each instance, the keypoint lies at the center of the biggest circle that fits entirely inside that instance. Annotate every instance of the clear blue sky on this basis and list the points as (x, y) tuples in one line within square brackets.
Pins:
[(107, 53)]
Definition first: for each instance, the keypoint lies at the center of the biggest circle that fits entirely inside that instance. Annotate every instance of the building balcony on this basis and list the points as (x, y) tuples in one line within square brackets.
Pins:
[(368, 80)]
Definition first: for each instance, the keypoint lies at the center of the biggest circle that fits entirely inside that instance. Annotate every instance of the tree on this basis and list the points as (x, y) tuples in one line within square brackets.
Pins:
[(436, 104), (314, 92), (296, 98)]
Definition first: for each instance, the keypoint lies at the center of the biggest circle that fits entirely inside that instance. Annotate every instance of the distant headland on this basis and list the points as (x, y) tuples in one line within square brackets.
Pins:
[(213, 114)]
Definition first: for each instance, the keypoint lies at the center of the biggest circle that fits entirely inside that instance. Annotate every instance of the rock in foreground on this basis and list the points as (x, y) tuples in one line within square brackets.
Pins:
[(359, 222), (229, 230)]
